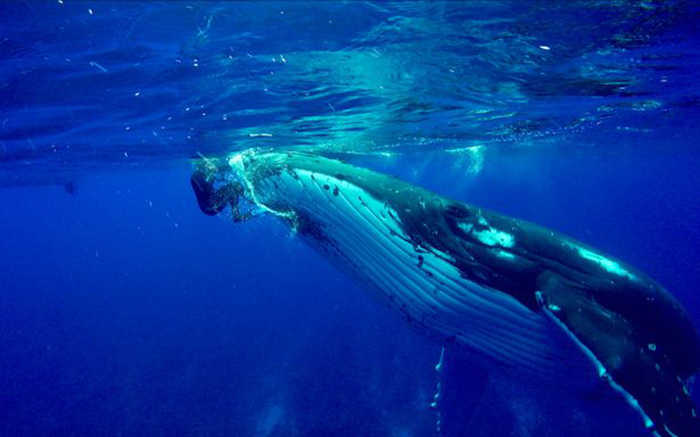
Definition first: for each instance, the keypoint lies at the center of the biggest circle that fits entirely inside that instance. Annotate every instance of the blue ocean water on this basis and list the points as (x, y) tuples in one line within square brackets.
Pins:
[(125, 311)]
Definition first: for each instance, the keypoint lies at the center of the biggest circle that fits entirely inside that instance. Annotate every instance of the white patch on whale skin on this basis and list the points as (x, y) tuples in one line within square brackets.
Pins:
[(490, 236), (505, 255), (606, 263), (494, 237), (424, 285)]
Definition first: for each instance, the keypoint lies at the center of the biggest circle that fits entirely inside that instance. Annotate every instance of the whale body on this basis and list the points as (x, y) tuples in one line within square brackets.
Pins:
[(512, 293)]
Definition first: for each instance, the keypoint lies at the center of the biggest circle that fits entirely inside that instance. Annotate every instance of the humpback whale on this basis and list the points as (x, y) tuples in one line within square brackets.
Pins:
[(512, 293)]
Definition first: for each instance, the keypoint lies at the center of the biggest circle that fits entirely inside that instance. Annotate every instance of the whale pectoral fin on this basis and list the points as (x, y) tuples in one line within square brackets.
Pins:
[(635, 367)]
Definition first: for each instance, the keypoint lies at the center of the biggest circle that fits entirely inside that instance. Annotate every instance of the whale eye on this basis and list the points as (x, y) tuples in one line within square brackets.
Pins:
[(458, 212)]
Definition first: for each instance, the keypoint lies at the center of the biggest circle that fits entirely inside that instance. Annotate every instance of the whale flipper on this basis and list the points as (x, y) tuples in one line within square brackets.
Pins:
[(641, 371)]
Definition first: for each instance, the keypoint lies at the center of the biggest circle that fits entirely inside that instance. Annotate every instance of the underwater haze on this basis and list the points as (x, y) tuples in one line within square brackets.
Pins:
[(126, 311)]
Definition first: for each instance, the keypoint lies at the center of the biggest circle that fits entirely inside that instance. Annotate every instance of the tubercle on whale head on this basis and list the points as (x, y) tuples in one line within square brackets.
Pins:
[(249, 170), (217, 185), (231, 182)]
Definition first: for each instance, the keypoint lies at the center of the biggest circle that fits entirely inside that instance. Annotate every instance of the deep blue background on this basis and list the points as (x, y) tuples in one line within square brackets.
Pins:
[(125, 311)]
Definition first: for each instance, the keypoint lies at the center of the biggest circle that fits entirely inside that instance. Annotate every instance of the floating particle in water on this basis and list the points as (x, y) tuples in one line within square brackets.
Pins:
[(96, 65)]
